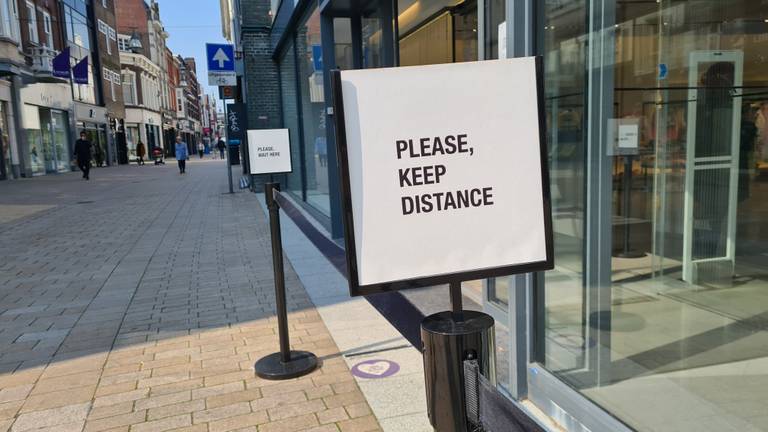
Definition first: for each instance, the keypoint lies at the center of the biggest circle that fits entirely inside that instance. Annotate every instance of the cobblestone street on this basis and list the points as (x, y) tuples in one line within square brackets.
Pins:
[(140, 300)]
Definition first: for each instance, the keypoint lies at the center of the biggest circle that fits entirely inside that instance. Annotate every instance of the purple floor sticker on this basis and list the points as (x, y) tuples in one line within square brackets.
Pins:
[(373, 369)]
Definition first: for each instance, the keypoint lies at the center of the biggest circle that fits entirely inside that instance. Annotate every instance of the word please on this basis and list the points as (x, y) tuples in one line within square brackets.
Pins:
[(433, 146)]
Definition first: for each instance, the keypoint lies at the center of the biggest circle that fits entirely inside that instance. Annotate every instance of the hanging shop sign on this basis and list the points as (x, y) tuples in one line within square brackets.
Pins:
[(269, 151), (443, 179)]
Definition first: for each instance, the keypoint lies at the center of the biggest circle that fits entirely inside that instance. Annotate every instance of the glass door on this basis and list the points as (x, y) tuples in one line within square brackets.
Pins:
[(60, 140), (48, 147)]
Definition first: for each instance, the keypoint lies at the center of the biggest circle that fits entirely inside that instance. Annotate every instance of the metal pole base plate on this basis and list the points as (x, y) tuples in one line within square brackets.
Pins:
[(272, 367)]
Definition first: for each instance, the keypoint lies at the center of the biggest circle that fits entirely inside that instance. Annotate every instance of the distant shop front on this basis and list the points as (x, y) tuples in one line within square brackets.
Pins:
[(46, 113)]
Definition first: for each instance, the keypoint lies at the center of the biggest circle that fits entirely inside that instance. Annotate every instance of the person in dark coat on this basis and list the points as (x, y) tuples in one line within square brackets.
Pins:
[(140, 152), (83, 154), (221, 146)]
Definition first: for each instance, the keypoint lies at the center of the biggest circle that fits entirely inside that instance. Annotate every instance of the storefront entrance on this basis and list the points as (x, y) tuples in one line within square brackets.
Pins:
[(47, 140), (97, 135)]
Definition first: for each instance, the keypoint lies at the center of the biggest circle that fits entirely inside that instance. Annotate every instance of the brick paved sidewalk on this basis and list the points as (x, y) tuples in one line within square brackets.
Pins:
[(140, 301)]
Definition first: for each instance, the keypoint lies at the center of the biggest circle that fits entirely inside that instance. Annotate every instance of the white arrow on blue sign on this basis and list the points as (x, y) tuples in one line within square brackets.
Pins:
[(221, 57)]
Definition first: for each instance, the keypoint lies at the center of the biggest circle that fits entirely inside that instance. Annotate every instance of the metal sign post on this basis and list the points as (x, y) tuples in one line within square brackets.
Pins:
[(284, 364), (229, 166)]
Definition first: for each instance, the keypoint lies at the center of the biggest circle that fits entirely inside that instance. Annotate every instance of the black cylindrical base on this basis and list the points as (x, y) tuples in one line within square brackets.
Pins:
[(272, 367), (447, 343)]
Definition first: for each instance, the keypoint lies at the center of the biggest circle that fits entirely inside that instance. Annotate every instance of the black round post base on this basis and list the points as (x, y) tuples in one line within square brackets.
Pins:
[(272, 367)]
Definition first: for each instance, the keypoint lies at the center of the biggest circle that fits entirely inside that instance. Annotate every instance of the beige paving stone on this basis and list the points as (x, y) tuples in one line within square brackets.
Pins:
[(237, 423), (228, 377), (106, 390), (9, 394), (332, 415), (58, 398), (296, 409), (66, 382), (230, 398), (106, 423), (319, 392), (111, 410), (27, 376), (193, 428), (361, 424), (177, 387), (9, 409), (163, 379), (176, 409), (292, 424), (121, 397), (52, 417), (163, 400), (5, 425), (344, 387), (217, 390), (324, 428), (69, 427), (165, 424), (358, 410), (221, 412), (278, 400), (344, 399), (287, 387)]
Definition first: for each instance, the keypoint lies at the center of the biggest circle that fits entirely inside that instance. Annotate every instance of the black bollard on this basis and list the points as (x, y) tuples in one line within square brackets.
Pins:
[(284, 364)]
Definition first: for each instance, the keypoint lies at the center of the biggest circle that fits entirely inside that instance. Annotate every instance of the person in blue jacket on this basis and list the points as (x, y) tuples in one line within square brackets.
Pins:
[(181, 154)]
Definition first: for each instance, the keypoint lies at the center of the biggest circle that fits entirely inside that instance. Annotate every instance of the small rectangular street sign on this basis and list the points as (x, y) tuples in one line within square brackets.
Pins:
[(221, 64), (269, 151), (441, 186)]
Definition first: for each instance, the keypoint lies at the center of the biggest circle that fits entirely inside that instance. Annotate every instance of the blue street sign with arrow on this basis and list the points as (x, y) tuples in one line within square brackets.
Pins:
[(221, 64), (221, 57)]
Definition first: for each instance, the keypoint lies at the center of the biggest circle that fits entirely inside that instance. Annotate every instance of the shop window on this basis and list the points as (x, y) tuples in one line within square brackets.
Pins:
[(310, 79), (437, 31), (291, 116), (669, 310)]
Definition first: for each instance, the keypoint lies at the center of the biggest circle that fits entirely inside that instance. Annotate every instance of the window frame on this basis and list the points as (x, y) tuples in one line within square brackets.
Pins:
[(32, 23), (47, 29)]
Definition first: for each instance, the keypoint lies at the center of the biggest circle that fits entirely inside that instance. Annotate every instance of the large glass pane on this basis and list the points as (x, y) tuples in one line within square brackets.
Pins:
[(313, 113), (437, 31), (683, 341), (563, 341), (291, 115), (59, 136)]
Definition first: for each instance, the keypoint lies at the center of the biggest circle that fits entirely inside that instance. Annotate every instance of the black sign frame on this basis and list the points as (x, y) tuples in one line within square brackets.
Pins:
[(355, 289)]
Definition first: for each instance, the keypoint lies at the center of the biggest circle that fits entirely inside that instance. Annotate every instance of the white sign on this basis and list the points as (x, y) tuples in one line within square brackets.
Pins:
[(628, 136), (269, 151), (445, 172), (222, 78)]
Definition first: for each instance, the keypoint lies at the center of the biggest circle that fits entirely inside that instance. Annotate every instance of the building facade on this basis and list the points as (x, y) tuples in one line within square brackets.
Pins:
[(189, 95), (653, 318), (46, 119), (139, 38)]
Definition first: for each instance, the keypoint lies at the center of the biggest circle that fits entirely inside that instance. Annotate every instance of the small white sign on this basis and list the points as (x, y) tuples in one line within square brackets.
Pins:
[(269, 151), (444, 182), (222, 78), (628, 136)]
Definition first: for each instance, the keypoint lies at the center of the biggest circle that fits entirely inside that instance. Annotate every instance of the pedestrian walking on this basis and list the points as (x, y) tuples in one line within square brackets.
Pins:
[(200, 149), (83, 154), (181, 154), (221, 145), (141, 151)]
